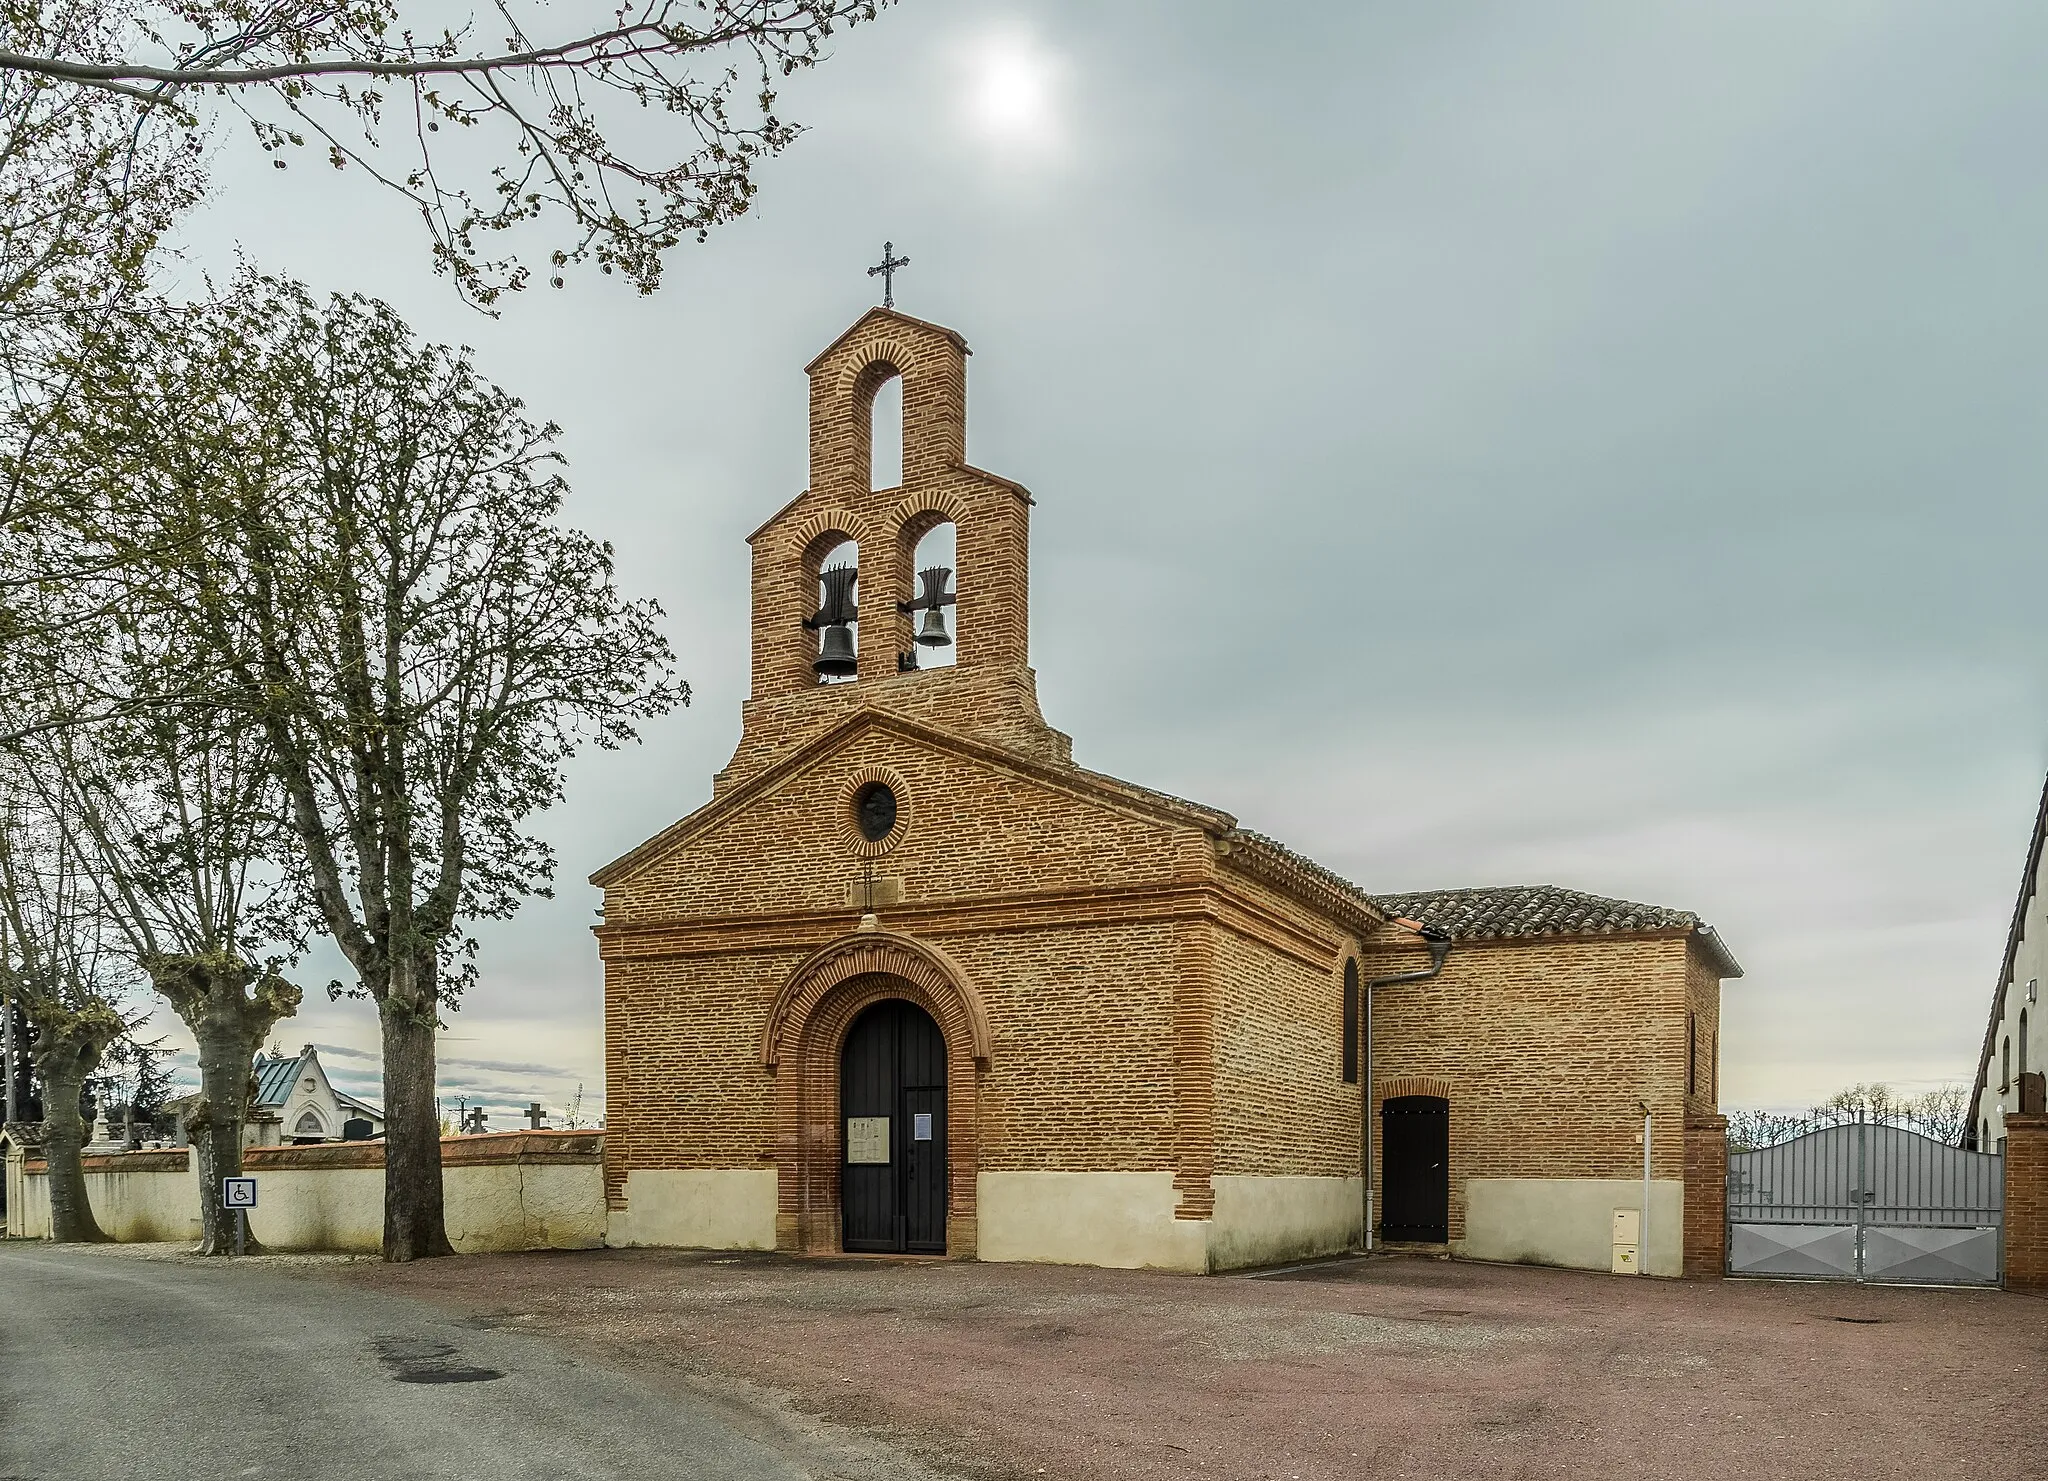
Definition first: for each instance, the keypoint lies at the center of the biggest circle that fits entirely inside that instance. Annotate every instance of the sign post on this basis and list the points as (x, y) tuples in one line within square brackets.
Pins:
[(239, 1194)]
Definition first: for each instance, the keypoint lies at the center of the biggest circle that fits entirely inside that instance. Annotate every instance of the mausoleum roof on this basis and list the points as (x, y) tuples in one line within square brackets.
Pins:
[(276, 1074), (275, 1077)]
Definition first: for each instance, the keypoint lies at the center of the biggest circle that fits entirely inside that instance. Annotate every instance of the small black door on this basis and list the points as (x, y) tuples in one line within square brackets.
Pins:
[(892, 1105), (1415, 1168)]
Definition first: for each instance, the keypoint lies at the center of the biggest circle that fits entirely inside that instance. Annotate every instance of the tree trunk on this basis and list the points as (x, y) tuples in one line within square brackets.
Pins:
[(415, 1224), (225, 1052), (229, 1006), (71, 1220)]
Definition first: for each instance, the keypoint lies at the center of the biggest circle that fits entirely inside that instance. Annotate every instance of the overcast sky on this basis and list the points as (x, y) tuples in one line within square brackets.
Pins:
[(1477, 444)]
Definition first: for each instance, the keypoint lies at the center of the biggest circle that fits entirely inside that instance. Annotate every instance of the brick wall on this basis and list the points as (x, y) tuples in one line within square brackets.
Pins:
[(975, 824), (1703, 1002), (2026, 1203), (1282, 1106), (1547, 1045), (1706, 1196)]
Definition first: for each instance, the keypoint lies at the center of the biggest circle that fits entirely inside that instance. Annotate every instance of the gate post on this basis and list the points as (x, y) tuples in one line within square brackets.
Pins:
[(1706, 1197), (2026, 1202)]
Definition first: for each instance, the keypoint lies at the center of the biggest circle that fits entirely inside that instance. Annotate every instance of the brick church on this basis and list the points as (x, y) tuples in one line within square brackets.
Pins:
[(914, 981)]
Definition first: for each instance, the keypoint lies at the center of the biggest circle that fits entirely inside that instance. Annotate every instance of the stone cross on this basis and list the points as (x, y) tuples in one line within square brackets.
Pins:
[(887, 268), (535, 1116)]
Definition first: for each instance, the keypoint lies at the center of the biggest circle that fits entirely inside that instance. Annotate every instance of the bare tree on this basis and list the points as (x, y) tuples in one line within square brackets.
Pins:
[(640, 129), (89, 184), (89, 181), (1942, 1113), (368, 562), (1749, 1130), (53, 959), (177, 814)]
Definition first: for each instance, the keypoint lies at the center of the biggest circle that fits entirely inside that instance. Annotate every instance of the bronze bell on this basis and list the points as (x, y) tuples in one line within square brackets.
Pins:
[(835, 657), (931, 633)]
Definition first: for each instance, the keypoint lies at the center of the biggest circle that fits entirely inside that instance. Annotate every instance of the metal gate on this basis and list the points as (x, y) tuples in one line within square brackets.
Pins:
[(1865, 1200)]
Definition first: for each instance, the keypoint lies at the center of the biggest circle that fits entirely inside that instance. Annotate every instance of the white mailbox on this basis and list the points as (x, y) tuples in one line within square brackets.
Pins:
[(1628, 1234)]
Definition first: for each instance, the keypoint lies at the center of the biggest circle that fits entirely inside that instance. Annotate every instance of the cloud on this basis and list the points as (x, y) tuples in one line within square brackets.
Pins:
[(1473, 444), (510, 1068)]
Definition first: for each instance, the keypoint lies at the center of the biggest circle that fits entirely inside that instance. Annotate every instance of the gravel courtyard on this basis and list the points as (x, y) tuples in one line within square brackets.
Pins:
[(1384, 1368)]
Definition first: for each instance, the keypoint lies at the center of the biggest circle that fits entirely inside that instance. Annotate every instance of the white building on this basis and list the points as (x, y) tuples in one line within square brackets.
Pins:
[(2013, 1039), (295, 1103)]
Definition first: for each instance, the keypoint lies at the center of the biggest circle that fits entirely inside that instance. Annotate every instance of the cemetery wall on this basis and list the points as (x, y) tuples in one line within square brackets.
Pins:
[(521, 1190)]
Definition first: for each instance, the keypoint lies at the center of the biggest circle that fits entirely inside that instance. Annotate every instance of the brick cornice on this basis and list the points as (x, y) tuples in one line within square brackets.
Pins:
[(1309, 883), (797, 930)]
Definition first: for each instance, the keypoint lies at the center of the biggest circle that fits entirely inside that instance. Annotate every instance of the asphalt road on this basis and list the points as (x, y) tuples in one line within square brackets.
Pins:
[(113, 1367)]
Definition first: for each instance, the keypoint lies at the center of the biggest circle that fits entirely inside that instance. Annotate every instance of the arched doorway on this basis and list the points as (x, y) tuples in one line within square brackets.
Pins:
[(1415, 1133), (892, 1106), (803, 1046)]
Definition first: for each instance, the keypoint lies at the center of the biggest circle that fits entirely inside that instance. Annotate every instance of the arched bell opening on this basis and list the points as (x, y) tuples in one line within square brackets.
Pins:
[(885, 435), (929, 556), (878, 424), (834, 571)]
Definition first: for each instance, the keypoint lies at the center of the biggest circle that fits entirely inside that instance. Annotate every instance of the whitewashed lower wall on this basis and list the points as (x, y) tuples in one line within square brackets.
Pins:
[(1119, 1219), (1569, 1221), (496, 1198), (1271, 1220), (523, 1191), (703, 1209)]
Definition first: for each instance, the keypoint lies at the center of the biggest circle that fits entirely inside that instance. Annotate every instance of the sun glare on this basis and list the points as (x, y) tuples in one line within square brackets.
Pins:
[(1011, 91)]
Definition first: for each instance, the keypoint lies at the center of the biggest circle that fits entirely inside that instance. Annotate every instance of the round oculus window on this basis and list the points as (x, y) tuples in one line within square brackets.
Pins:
[(874, 811)]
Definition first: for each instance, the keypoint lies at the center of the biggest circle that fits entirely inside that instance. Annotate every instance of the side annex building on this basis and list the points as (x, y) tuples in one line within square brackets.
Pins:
[(914, 981)]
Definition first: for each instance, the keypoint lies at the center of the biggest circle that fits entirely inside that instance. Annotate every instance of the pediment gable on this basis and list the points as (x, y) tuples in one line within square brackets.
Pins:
[(879, 315), (1080, 788)]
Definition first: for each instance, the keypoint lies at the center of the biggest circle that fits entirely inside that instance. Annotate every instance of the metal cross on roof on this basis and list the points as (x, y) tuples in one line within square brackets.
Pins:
[(887, 268)]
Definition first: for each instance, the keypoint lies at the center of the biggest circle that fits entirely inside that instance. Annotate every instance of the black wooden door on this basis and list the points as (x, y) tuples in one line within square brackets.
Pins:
[(1415, 1168), (892, 1103)]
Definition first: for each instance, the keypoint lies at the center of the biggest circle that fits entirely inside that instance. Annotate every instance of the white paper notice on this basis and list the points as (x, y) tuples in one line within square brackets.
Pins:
[(867, 1139), (921, 1126)]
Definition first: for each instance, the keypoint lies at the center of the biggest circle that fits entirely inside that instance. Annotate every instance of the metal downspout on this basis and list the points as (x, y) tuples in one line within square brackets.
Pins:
[(1643, 1221), (1439, 948)]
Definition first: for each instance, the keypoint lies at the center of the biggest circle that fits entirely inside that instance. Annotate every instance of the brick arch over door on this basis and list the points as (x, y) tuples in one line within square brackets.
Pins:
[(1405, 1085), (807, 1029)]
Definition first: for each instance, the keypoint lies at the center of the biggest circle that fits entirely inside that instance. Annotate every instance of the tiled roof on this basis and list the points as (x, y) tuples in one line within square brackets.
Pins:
[(274, 1079), (1544, 910), (1309, 871)]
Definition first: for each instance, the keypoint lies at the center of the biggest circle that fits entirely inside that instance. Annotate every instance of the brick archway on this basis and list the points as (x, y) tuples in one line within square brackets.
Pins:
[(1404, 1085), (806, 1029)]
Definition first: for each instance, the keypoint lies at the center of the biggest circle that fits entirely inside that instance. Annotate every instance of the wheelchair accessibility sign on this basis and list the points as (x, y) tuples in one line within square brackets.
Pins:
[(238, 1193)]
